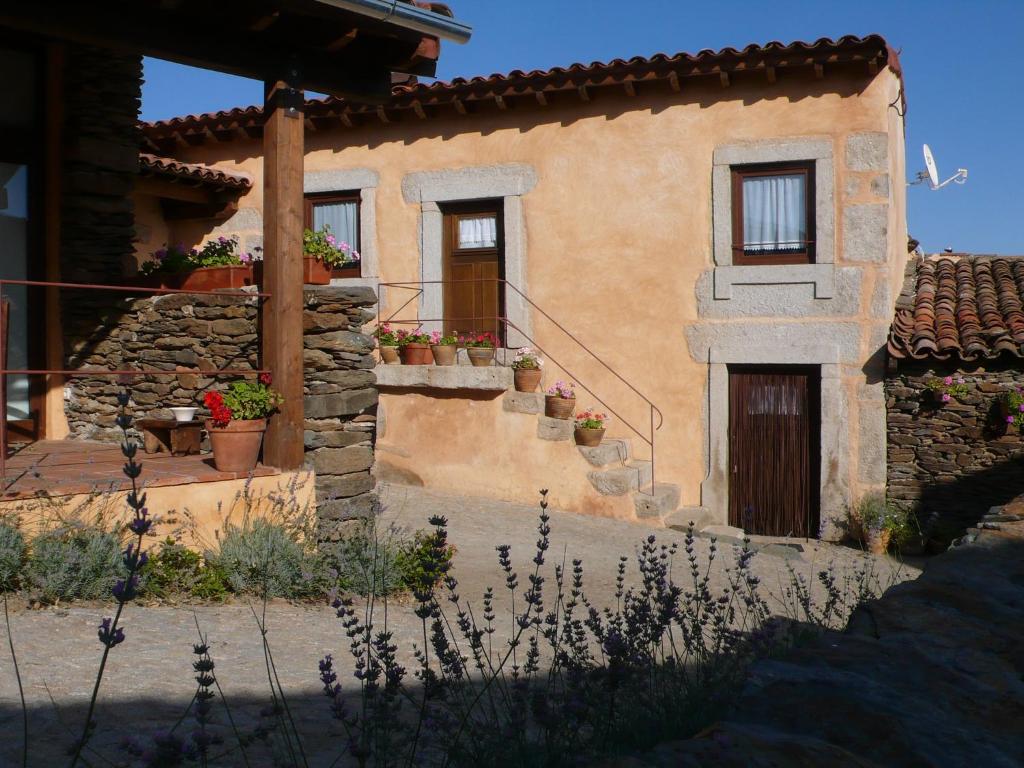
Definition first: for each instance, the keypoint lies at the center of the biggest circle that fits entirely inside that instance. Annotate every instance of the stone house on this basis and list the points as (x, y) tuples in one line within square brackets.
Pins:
[(709, 245), (960, 316)]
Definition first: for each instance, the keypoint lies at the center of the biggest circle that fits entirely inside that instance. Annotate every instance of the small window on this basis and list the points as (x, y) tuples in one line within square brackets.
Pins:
[(773, 214), (478, 231), (341, 213)]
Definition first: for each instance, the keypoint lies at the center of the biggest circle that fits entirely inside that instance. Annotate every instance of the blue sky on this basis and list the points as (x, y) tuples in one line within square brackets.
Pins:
[(960, 61)]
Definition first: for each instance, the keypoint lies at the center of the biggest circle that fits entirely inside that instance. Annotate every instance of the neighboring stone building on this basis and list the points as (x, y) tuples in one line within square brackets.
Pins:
[(609, 197), (962, 316)]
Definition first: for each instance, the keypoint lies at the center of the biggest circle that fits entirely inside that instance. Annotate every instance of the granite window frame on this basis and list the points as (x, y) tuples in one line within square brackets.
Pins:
[(351, 182), (818, 154)]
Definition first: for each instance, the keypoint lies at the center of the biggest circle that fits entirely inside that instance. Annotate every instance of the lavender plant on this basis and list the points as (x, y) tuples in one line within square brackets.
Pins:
[(125, 589), (571, 681)]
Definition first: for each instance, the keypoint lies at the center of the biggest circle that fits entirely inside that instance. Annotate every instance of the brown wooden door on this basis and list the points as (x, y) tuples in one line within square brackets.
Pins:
[(474, 263), (774, 427)]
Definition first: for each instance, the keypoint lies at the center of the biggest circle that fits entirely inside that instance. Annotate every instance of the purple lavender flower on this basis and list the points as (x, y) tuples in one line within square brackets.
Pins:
[(110, 638)]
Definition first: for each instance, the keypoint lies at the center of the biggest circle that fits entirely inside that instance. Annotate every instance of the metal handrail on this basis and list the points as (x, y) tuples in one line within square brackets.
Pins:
[(418, 286), (5, 371)]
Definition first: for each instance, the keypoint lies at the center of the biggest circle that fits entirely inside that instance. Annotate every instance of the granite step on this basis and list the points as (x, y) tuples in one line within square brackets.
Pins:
[(656, 502), (618, 481), (608, 452)]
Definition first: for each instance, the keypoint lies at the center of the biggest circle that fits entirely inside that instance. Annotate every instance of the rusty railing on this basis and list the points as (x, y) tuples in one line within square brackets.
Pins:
[(656, 418), (5, 371)]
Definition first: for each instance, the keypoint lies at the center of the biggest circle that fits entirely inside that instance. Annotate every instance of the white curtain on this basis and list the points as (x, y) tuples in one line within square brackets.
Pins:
[(480, 232), (342, 218), (775, 213)]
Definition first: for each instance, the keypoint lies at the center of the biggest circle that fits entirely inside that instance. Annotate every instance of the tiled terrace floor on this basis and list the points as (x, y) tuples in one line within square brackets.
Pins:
[(64, 467)]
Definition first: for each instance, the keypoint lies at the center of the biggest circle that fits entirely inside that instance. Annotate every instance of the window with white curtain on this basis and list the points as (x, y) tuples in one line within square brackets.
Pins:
[(478, 232), (773, 221), (339, 212)]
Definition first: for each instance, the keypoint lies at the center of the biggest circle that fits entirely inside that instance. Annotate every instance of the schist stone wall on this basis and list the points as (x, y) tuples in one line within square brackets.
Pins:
[(191, 335), (953, 462)]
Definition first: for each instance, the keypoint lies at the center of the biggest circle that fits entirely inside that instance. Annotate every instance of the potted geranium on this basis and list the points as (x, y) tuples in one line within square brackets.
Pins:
[(941, 391), (238, 419), (526, 370), (217, 264), (560, 400), (321, 253), (479, 347), (590, 427), (414, 347), (443, 347), (387, 342)]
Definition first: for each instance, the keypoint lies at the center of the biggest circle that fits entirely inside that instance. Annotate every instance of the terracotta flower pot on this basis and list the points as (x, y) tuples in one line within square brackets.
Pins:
[(236, 447), (877, 540), (559, 407), (526, 379), (444, 354), (389, 355), (480, 356), (315, 272), (415, 354), (211, 278), (591, 438)]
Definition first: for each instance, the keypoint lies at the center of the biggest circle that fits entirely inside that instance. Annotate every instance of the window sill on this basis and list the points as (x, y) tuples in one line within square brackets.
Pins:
[(821, 276)]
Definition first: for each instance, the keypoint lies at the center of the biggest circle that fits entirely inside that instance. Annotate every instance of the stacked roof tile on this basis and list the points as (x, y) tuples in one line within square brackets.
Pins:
[(960, 306), (823, 52), (152, 165)]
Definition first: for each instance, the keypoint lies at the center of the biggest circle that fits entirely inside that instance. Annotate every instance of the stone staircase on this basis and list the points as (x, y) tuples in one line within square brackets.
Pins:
[(610, 467)]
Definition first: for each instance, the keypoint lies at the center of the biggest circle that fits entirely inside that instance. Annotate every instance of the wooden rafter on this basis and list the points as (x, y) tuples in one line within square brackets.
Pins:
[(673, 81), (418, 109), (629, 87)]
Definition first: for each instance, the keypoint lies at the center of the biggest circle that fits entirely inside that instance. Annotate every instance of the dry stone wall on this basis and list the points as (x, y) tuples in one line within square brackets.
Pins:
[(191, 335), (952, 463)]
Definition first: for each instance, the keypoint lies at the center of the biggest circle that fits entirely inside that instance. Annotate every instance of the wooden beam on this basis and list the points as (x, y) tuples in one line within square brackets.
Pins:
[(724, 77), (345, 120), (673, 80), (770, 72), (265, 22), (418, 109), (630, 88), (54, 423), (459, 106), (819, 71), (583, 92), (500, 102), (310, 125), (281, 314), (542, 99), (383, 115), (342, 42)]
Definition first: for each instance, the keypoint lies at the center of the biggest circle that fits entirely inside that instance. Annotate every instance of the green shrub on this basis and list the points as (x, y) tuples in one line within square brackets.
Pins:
[(174, 569), (260, 557), (367, 560), (76, 562), (13, 554), (875, 513), (416, 563)]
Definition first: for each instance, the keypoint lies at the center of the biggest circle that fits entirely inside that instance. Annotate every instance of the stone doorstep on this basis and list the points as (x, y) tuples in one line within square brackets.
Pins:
[(656, 502), (618, 481), (490, 378)]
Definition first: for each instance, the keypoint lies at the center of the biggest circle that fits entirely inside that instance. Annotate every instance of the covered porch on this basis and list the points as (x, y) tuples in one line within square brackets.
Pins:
[(69, 159)]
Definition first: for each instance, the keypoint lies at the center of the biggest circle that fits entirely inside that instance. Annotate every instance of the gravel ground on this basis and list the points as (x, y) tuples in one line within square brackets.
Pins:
[(149, 682)]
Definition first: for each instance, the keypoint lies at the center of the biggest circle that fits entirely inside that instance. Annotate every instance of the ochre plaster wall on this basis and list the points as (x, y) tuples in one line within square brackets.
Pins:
[(618, 230)]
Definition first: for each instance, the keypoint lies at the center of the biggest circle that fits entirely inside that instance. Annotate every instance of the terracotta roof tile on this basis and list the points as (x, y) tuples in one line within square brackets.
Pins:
[(152, 165), (824, 51), (960, 305)]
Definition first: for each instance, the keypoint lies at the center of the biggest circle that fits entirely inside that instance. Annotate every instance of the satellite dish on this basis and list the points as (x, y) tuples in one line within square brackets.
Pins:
[(929, 163), (931, 173)]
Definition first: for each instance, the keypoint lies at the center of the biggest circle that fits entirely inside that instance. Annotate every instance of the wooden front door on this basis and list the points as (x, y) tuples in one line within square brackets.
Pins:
[(474, 262), (774, 428)]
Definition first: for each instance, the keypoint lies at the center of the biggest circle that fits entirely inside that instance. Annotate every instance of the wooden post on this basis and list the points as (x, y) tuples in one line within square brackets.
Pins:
[(281, 314)]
